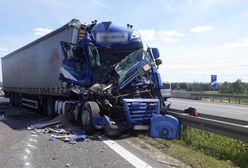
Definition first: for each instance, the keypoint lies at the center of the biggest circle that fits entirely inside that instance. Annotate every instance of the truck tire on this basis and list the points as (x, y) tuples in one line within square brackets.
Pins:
[(14, 99), (11, 99), (89, 110), (19, 100), (50, 106)]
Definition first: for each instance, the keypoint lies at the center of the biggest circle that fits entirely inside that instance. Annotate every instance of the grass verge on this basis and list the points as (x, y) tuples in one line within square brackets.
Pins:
[(202, 149)]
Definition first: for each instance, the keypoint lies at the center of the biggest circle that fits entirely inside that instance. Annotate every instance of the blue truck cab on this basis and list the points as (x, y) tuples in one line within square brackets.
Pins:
[(117, 82)]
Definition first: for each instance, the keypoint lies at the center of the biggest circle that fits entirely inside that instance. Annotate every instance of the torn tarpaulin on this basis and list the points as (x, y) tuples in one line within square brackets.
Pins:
[(43, 125)]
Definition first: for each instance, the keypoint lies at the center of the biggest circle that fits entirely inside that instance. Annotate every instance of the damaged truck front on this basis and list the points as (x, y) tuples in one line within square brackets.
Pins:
[(109, 82)]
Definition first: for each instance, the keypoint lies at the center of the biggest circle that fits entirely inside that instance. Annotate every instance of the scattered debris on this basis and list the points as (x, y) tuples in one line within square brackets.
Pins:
[(51, 138), (68, 165), (191, 111), (61, 129), (43, 125), (72, 142)]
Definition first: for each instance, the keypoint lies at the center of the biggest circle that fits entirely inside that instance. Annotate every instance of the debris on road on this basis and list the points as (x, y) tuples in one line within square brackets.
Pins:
[(61, 129), (43, 125), (2, 117), (191, 111), (68, 165)]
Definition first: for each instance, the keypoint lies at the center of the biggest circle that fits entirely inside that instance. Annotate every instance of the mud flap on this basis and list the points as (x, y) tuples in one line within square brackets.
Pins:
[(100, 122), (111, 128), (164, 126)]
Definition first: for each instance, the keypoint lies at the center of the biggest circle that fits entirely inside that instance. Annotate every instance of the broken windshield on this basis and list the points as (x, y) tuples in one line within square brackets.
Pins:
[(129, 62)]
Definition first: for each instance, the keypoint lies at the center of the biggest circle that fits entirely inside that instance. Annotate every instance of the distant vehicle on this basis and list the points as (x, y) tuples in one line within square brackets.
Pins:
[(166, 91)]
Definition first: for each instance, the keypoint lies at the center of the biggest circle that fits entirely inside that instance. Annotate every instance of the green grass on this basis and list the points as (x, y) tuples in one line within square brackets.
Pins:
[(204, 149), (220, 147)]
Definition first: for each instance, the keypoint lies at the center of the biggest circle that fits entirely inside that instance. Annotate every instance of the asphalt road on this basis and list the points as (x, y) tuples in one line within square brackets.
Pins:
[(234, 111), (20, 148)]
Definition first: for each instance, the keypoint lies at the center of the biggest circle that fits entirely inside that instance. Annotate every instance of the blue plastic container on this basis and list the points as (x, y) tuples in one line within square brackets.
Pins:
[(164, 127)]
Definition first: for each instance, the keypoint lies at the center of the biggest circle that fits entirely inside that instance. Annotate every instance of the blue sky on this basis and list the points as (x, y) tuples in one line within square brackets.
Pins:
[(196, 38)]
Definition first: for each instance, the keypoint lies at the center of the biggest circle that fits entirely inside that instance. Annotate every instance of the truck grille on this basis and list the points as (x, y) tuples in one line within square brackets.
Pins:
[(140, 111)]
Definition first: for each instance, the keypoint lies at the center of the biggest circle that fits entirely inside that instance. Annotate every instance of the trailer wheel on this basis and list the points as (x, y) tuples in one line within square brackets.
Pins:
[(89, 110), (50, 106), (11, 99), (19, 98), (14, 101)]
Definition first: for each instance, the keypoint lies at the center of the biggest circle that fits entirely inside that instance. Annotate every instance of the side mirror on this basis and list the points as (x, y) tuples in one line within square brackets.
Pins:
[(155, 53), (158, 62)]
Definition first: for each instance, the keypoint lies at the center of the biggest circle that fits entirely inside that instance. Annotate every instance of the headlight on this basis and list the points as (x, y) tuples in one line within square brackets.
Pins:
[(134, 35)]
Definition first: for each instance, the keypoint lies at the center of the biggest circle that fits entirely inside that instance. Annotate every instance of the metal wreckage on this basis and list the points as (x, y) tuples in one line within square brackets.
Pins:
[(98, 74)]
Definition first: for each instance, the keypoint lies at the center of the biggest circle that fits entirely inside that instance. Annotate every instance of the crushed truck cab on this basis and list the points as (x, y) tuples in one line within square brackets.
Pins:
[(103, 76)]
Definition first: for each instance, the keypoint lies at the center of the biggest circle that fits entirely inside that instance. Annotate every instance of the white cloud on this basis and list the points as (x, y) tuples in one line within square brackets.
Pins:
[(40, 31), (201, 29), (170, 36), (238, 44), (198, 64), (147, 34), (164, 36), (3, 49)]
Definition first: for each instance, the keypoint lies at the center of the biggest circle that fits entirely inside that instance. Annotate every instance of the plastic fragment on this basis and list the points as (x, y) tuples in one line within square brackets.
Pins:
[(2, 117), (51, 138)]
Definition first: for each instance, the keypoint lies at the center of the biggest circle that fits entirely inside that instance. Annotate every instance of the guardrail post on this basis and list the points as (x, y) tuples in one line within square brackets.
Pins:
[(180, 132), (183, 131)]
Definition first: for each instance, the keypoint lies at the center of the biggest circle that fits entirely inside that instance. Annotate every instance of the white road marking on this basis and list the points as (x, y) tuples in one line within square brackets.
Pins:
[(131, 158), (27, 163), (30, 145), (33, 140), (28, 151)]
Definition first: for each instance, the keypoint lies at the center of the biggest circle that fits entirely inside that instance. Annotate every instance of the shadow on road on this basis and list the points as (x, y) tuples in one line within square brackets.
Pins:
[(18, 118)]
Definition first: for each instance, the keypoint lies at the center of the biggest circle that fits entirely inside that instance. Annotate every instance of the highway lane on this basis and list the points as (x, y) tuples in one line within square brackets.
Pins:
[(21, 148), (234, 111)]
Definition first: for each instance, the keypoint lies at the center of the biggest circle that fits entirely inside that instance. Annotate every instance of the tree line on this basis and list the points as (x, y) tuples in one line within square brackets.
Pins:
[(237, 87)]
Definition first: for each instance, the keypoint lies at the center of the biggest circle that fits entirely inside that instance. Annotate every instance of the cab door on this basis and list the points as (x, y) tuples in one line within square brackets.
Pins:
[(75, 68)]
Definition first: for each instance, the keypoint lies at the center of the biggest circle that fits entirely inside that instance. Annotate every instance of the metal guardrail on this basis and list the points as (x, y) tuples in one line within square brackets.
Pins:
[(236, 129), (221, 96), (199, 96)]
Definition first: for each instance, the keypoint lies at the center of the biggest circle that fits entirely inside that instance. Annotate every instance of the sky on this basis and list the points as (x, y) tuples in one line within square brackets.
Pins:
[(196, 38)]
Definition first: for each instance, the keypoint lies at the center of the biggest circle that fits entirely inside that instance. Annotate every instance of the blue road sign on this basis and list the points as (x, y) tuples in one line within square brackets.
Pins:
[(213, 81)]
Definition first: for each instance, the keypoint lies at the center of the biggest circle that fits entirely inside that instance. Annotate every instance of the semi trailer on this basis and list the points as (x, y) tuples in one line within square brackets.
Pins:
[(99, 75)]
